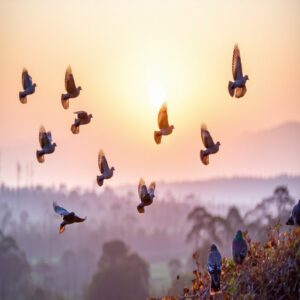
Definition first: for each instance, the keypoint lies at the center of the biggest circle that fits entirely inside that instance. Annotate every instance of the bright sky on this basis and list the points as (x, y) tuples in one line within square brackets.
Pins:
[(128, 57)]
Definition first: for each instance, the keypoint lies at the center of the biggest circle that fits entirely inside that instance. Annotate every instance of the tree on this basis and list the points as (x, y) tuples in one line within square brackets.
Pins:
[(120, 275)]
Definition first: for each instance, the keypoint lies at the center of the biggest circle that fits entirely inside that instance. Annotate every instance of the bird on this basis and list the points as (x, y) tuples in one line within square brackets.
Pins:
[(214, 267), (211, 147), (70, 86), (28, 86), (163, 124), (238, 86), (68, 217), (82, 119), (146, 195), (106, 172), (294, 219), (239, 248), (45, 139)]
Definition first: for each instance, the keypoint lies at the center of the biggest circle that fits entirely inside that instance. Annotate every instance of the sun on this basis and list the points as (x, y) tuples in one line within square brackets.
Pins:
[(156, 94)]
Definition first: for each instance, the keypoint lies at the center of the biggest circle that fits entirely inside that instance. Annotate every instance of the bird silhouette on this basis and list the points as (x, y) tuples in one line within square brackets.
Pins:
[(70, 86), (237, 88), (28, 86), (146, 195), (83, 118), (239, 248), (163, 124), (211, 147), (45, 139), (106, 172), (68, 217), (214, 267)]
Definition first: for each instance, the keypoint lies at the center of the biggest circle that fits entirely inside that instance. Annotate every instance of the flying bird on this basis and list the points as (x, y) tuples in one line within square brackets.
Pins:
[(294, 219), (68, 217), (239, 248), (28, 86), (45, 139), (106, 172), (163, 124), (211, 147), (72, 90), (238, 86), (146, 195), (214, 267), (82, 119)]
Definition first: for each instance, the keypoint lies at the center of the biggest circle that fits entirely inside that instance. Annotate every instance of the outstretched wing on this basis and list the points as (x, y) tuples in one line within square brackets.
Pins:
[(60, 210), (151, 188), (78, 219), (81, 114), (142, 189), (237, 71), (206, 137), (26, 79), (44, 137), (163, 121), (69, 81), (102, 162)]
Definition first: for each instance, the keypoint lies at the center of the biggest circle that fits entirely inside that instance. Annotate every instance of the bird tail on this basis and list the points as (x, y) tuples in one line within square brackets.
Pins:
[(230, 88), (204, 157), (290, 221), (40, 156), (22, 98), (75, 129), (157, 137), (140, 208), (215, 281), (62, 227), (100, 180), (65, 101)]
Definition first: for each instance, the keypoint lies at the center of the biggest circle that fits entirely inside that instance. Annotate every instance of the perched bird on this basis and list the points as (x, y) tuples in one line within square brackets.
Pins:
[(72, 90), (239, 248), (28, 87), (68, 217), (82, 119), (146, 195), (295, 217), (238, 87), (211, 147), (214, 267), (163, 124), (45, 139), (106, 172)]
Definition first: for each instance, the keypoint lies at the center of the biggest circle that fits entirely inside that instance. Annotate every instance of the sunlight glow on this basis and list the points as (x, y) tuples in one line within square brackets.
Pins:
[(157, 95)]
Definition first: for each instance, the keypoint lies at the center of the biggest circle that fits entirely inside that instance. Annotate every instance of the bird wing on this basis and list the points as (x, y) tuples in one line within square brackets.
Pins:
[(60, 210), (44, 137), (214, 261), (142, 189), (26, 79), (237, 71), (206, 137), (81, 114), (69, 81), (102, 162), (240, 91), (151, 188), (78, 219), (163, 117)]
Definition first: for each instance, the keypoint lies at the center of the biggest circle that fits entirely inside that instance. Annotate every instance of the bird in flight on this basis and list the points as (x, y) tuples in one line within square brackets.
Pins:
[(211, 147), (106, 171), (45, 139), (28, 86), (83, 118), (146, 195)]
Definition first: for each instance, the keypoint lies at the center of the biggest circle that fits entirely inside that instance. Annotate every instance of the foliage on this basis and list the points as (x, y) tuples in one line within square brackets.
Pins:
[(120, 275), (271, 271)]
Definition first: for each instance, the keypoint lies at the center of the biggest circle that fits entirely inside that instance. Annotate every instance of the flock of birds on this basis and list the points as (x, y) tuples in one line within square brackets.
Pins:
[(236, 88)]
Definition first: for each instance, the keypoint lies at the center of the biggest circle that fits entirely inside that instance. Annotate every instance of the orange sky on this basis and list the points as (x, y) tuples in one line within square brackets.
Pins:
[(124, 52)]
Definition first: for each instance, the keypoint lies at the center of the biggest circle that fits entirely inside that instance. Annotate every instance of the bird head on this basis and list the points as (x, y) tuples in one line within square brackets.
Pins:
[(34, 85), (54, 144), (213, 247), (172, 126), (90, 115), (246, 77), (239, 235), (218, 144), (79, 88), (112, 168)]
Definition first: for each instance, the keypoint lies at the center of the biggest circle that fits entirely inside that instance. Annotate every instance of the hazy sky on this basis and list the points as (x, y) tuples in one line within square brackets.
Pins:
[(128, 57)]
